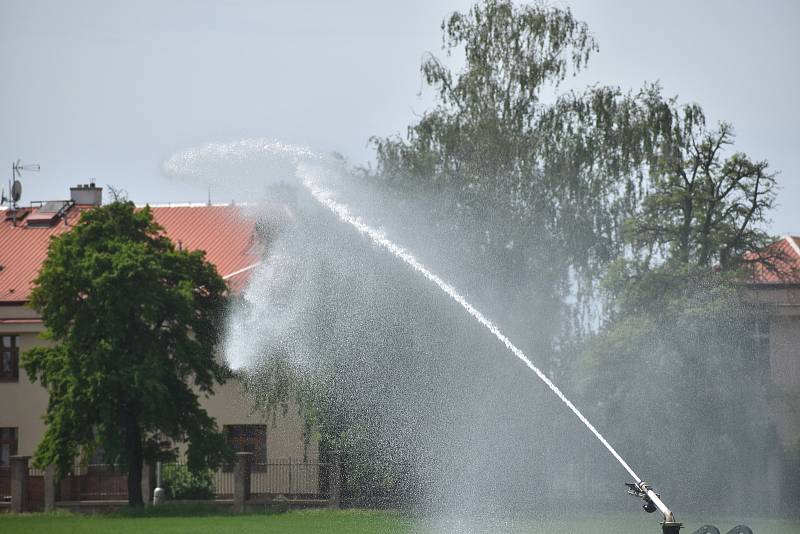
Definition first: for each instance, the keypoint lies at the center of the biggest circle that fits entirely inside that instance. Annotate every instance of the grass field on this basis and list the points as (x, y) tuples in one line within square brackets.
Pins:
[(334, 522)]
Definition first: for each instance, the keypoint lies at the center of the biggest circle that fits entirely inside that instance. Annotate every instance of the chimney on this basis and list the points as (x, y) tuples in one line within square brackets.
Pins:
[(86, 194)]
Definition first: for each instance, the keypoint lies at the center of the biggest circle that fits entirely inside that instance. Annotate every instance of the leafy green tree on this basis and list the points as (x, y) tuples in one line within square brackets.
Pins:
[(702, 209), (699, 212), (675, 360), (483, 129), (595, 177), (134, 324), (515, 175)]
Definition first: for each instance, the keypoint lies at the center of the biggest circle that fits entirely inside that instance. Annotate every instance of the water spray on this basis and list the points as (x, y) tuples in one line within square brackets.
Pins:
[(278, 157), (639, 488)]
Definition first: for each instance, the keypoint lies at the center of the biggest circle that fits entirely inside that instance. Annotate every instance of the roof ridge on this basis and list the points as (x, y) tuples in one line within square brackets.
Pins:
[(189, 205)]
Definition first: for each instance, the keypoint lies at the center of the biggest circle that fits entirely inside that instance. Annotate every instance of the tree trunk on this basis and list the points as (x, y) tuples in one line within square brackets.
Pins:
[(133, 445), (685, 235)]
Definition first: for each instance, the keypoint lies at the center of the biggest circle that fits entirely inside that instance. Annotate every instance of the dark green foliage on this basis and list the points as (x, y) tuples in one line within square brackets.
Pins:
[(701, 208), (181, 483), (675, 363), (134, 324), (682, 385)]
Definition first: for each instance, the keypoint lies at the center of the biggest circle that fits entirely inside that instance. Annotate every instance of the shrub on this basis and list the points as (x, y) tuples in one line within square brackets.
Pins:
[(181, 483)]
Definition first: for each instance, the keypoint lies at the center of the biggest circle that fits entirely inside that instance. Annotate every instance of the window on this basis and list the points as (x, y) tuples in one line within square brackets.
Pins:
[(9, 358), (8, 445), (248, 438)]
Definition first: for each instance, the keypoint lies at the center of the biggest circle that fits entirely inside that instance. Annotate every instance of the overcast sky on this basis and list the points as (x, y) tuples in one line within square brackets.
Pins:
[(107, 90)]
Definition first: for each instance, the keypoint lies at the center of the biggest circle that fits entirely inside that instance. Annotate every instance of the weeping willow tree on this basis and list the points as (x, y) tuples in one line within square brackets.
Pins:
[(542, 187)]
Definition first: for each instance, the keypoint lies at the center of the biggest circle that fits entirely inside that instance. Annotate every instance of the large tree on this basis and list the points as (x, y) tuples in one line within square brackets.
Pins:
[(702, 208), (134, 323), (680, 358), (540, 187), (558, 191)]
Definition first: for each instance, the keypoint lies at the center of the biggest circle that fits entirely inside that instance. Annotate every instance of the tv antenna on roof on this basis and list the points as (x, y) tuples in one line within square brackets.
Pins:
[(14, 185)]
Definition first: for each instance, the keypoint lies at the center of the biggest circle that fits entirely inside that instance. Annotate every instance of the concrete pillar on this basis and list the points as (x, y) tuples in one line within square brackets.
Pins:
[(148, 482), (50, 488), (334, 479), (241, 480), (19, 483)]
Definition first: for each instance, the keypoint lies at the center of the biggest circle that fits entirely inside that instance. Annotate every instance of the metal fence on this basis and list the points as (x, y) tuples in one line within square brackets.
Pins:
[(223, 484), (107, 482), (292, 478), (289, 477), (35, 487), (94, 482)]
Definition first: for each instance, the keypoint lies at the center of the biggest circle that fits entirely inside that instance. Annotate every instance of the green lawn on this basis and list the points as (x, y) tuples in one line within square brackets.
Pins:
[(290, 522), (350, 521)]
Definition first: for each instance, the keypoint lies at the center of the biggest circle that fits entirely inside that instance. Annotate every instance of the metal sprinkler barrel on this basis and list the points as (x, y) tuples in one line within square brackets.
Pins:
[(653, 502)]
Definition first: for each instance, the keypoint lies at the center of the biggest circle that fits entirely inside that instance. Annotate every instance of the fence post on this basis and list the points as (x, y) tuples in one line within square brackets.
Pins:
[(50, 488), (19, 483), (241, 480), (334, 479), (148, 482), (290, 476)]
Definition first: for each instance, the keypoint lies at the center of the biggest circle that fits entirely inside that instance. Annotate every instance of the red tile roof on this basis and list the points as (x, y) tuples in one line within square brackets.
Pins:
[(223, 232), (782, 266)]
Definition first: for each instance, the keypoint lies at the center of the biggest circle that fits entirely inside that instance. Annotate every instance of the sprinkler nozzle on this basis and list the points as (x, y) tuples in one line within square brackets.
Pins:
[(652, 502), (640, 490)]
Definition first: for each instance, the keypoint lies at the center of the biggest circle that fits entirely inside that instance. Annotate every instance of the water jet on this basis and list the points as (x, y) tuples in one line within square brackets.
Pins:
[(639, 488), (310, 172)]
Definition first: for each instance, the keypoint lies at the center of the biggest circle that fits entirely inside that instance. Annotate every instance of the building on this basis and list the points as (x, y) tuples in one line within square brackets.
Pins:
[(777, 287), (229, 242)]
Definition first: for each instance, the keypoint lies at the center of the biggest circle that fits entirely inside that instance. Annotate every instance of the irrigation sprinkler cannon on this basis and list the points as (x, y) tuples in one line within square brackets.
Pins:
[(653, 502)]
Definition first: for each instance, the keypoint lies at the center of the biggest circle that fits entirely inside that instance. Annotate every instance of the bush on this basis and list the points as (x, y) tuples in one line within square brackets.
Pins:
[(180, 483)]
